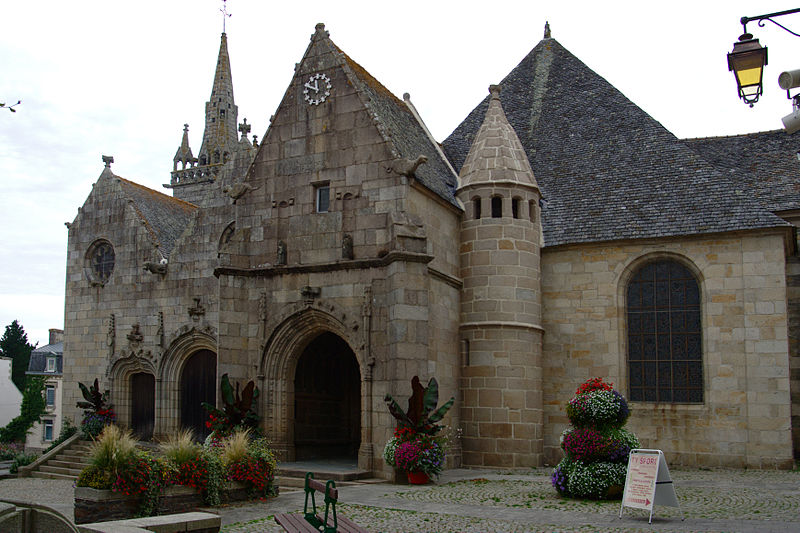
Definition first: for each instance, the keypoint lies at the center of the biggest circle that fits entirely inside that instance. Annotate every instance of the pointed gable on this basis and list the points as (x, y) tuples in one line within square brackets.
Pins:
[(352, 90), (496, 154), (607, 170), (405, 133)]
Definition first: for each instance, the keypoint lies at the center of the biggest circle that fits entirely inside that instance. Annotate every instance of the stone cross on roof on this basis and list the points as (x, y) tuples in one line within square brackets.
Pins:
[(244, 128), (108, 159)]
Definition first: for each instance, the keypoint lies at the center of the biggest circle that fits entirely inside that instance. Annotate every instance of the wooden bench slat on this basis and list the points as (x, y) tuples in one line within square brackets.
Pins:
[(294, 523), (345, 525)]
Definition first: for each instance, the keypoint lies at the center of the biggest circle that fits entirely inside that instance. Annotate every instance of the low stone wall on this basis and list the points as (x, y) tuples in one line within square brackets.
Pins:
[(95, 505)]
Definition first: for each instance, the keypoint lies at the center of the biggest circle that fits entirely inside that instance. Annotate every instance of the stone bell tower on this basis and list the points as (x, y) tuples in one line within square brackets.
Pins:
[(500, 331)]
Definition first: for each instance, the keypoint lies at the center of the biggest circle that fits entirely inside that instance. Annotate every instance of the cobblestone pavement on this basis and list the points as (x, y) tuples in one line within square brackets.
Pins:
[(483, 501)]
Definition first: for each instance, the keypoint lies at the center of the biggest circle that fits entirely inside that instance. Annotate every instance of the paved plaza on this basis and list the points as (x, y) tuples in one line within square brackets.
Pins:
[(482, 501)]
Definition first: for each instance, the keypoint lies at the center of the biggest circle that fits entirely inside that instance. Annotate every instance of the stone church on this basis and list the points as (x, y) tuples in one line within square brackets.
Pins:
[(559, 233)]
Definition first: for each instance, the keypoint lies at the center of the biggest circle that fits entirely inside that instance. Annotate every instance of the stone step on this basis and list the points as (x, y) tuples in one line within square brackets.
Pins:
[(66, 464), (51, 475), (73, 456), (72, 472)]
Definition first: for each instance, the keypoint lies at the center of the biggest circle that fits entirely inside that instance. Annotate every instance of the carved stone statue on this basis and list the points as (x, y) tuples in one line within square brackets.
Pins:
[(347, 246), (281, 253)]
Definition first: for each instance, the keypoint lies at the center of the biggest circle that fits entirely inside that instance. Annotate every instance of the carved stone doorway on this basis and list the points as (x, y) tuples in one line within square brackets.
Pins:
[(327, 395), (198, 384), (143, 405)]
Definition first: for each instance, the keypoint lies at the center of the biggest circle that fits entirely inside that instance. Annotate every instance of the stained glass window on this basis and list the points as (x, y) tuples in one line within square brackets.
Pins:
[(101, 260), (665, 359)]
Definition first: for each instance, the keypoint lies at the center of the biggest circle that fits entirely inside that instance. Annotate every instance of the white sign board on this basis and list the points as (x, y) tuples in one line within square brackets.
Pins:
[(647, 482)]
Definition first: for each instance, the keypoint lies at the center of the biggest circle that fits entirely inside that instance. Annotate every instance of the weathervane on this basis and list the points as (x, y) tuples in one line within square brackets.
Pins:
[(225, 14)]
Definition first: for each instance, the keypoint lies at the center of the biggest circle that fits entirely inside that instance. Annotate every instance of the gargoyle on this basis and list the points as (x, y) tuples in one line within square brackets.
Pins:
[(156, 268), (238, 190), (406, 167)]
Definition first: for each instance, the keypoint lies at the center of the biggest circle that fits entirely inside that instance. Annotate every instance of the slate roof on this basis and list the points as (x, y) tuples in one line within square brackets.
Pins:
[(763, 163), (496, 155), (165, 217), (404, 132), (38, 360), (607, 170)]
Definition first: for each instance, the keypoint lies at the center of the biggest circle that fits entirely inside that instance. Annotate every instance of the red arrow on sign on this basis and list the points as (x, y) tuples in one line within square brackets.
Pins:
[(648, 501)]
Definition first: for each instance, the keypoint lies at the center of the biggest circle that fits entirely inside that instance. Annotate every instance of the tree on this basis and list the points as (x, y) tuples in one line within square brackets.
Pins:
[(14, 345), (33, 406)]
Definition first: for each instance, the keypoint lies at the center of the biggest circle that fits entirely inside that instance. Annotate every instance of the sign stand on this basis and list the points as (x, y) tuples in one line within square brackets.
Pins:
[(647, 483)]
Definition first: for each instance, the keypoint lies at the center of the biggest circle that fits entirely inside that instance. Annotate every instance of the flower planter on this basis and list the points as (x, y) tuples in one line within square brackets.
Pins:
[(418, 478), (94, 505)]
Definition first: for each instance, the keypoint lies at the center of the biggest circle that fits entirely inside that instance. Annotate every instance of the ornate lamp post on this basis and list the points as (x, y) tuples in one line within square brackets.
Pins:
[(748, 58)]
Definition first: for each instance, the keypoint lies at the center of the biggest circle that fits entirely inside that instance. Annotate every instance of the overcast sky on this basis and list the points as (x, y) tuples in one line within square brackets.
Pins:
[(121, 78)]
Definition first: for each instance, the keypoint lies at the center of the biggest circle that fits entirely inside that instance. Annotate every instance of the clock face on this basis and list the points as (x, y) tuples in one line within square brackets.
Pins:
[(317, 89)]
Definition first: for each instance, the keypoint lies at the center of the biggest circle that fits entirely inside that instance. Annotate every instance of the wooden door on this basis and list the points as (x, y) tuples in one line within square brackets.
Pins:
[(143, 405), (198, 385)]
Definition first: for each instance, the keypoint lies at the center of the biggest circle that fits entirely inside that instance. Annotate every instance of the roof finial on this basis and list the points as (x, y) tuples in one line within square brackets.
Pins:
[(546, 29), (108, 159), (225, 14), (244, 128), (494, 91)]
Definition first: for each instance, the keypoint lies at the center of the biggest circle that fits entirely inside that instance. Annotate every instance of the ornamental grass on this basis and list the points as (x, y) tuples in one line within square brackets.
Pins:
[(112, 449), (180, 448)]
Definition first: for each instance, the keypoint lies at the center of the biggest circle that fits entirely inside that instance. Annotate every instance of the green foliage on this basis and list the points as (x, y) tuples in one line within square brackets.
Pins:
[(14, 345), (31, 410), (181, 448), (113, 449), (68, 429), (238, 410), (422, 415), (95, 400), (597, 445), (95, 477), (22, 459), (9, 450)]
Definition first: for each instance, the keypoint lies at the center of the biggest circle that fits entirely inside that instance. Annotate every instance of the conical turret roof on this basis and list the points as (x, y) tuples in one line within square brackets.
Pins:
[(184, 152), (607, 170), (496, 155)]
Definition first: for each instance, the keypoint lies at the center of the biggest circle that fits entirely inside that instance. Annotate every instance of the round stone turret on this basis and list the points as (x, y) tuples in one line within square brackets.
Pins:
[(501, 300)]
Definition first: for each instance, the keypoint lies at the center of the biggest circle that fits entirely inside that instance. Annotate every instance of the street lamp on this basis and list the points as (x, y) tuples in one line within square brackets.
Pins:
[(748, 58), (747, 61)]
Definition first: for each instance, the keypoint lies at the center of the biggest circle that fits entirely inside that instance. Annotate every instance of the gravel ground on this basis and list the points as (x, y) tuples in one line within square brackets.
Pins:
[(485, 501)]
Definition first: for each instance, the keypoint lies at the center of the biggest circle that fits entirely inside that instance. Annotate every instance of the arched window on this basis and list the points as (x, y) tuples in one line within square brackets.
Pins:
[(497, 206), (665, 356), (476, 205)]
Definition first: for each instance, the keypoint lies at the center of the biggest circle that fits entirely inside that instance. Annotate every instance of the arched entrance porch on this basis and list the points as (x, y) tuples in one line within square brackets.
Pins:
[(327, 401), (198, 384)]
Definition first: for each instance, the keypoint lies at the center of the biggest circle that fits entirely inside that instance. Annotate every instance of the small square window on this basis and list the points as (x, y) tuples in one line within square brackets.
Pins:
[(48, 430), (50, 396), (323, 198), (51, 364)]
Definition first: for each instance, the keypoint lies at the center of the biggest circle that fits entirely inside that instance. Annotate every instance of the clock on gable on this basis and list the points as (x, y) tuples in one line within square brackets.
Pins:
[(317, 89)]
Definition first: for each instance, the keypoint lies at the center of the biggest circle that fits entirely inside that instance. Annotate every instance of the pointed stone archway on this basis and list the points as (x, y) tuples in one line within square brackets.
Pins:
[(198, 384), (295, 360), (327, 401), (143, 405)]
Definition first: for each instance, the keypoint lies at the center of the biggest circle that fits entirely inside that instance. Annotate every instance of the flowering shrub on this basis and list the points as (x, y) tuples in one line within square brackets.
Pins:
[(389, 451), (138, 474), (596, 408), (420, 455), (596, 480), (594, 384), (256, 470), (9, 450), (93, 422), (596, 447)]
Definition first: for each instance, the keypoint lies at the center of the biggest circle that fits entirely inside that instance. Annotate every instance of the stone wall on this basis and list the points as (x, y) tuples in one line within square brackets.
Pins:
[(744, 420), (793, 298)]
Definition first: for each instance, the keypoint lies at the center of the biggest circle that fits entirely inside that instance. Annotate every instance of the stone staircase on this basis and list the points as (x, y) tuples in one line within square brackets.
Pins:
[(66, 464)]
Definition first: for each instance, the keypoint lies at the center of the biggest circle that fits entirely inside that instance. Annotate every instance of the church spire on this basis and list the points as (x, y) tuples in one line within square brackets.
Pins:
[(184, 153), (220, 135)]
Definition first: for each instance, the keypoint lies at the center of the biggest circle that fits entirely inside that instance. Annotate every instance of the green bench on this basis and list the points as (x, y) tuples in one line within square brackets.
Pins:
[(310, 521)]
